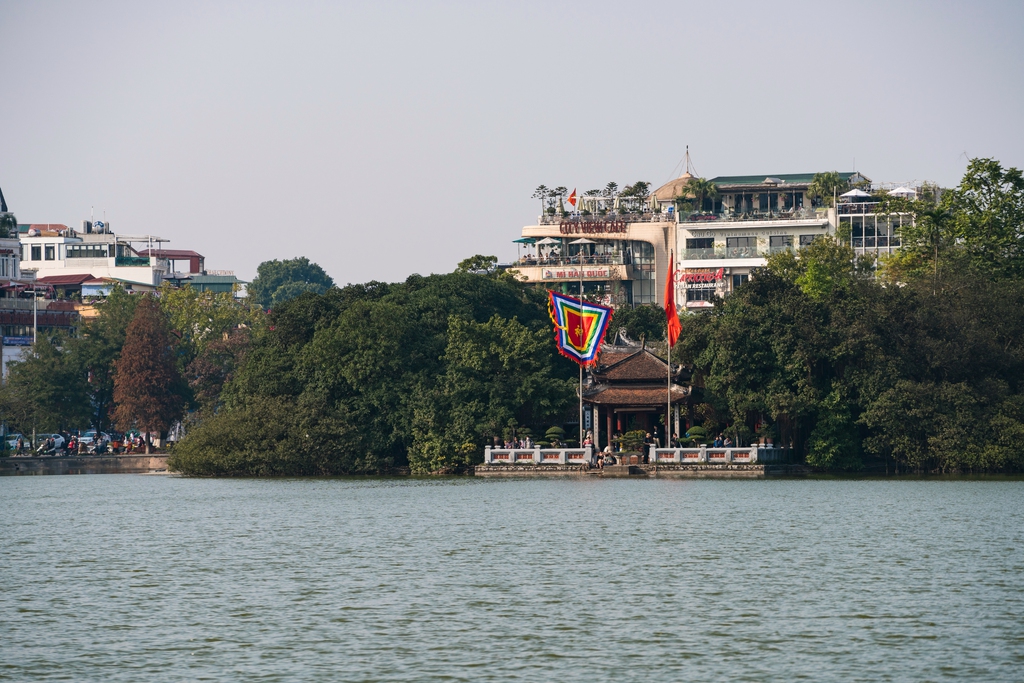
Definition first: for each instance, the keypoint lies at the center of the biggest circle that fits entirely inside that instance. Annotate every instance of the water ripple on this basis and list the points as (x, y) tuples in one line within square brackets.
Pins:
[(128, 578)]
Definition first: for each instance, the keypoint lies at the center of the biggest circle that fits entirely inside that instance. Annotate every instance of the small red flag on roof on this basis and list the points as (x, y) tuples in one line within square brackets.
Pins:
[(572, 198)]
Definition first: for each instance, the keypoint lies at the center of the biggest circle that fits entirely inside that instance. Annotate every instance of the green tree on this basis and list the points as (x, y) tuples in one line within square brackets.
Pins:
[(279, 281), (8, 224), (148, 387), (215, 366), (478, 264), (497, 373), (542, 193), (200, 318), (48, 390), (641, 189), (700, 189), (826, 186), (647, 322), (987, 210), (358, 363), (99, 346)]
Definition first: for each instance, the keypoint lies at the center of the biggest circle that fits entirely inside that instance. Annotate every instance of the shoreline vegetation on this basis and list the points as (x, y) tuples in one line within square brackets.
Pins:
[(914, 364)]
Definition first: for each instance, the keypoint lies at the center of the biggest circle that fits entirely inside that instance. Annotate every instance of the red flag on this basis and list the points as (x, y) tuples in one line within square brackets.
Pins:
[(572, 198), (674, 328)]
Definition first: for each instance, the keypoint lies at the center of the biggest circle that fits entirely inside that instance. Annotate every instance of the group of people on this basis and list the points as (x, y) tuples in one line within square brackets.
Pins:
[(525, 442), (72, 444), (721, 442)]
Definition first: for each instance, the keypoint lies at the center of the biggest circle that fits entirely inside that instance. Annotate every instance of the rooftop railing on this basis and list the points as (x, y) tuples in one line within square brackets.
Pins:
[(778, 215), (645, 217), (856, 208), (595, 260)]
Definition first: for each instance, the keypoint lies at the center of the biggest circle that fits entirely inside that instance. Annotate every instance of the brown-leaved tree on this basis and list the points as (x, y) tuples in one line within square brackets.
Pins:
[(147, 384)]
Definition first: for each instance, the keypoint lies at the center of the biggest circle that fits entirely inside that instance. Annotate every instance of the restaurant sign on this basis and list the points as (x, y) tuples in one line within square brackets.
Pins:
[(574, 273), (700, 278), (591, 227)]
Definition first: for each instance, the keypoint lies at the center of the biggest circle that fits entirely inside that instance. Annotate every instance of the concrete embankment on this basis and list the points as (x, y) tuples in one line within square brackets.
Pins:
[(690, 471), (85, 464)]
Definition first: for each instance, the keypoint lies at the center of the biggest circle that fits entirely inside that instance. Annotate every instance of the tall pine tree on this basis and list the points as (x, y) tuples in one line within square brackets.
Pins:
[(147, 385)]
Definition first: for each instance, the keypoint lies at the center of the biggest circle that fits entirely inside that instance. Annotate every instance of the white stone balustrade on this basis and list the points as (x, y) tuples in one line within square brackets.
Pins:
[(537, 456), (704, 454)]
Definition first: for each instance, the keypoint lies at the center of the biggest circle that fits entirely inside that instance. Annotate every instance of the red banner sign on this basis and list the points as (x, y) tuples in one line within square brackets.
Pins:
[(591, 227)]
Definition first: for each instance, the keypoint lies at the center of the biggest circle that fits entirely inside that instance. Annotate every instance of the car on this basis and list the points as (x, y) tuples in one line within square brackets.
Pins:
[(58, 440), (90, 437), (12, 440)]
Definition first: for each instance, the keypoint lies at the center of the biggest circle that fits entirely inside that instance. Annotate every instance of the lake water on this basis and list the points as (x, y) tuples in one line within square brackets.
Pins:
[(155, 578)]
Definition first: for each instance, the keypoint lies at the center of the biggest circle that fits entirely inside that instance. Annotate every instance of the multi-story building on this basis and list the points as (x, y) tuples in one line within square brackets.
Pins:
[(749, 218), (622, 245), (56, 251), (619, 249), (90, 261)]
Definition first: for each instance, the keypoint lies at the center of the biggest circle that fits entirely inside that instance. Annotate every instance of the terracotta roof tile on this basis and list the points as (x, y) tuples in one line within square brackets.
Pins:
[(634, 396)]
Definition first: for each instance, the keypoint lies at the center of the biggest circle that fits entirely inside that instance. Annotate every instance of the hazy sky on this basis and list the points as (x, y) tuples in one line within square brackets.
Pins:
[(382, 139)]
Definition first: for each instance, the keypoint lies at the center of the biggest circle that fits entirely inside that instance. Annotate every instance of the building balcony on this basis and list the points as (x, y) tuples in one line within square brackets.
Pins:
[(131, 261), (595, 260), (712, 221), (719, 253), (856, 208), (564, 271), (647, 217)]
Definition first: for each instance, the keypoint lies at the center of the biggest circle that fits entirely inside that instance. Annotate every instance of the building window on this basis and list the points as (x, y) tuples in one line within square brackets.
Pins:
[(741, 247), (49, 252), (86, 251), (700, 247), (805, 240), (777, 243), (792, 201), (738, 280), (699, 294), (37, 253)]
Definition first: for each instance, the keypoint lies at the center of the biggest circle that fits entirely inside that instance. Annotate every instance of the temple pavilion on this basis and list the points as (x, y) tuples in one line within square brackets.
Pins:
[(627, 390)]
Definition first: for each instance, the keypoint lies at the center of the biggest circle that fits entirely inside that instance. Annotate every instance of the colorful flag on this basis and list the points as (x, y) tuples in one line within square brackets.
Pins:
[(572, 198), (579, 327), (674, 328)]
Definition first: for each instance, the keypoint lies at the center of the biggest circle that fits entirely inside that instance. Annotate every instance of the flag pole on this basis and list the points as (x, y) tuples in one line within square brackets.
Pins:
[(579, 255), (574, 200), (668, 356)]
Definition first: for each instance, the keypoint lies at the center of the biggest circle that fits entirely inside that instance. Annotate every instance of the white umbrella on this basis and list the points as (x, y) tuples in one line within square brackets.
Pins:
[(583, 240), (855, 192), (549, 240), (905, 191)]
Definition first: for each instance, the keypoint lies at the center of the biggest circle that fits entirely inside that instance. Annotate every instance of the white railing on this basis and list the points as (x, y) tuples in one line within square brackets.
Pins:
[(537, 456), (659, 456)]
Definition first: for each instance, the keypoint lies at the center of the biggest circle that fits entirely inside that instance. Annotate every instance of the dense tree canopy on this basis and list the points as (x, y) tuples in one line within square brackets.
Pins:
[(907, 369), (367, 377), (279, 281)]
